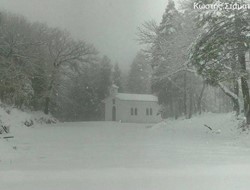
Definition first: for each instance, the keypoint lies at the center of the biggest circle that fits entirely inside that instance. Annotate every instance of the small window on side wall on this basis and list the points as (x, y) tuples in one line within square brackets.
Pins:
[(135, 111), (151, 111)]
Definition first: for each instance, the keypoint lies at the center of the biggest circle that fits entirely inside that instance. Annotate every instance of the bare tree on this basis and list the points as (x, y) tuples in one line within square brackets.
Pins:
[(63, 52)]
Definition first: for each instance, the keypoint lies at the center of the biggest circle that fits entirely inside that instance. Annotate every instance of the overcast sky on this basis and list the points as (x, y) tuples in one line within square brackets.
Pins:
[(110, 25)]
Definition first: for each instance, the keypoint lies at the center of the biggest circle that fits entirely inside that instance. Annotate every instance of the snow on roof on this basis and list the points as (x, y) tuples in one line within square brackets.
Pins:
[(137, 97), (114, 86)]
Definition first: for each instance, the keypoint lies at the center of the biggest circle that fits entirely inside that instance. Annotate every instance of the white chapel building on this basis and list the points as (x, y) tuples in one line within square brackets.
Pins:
[(131, 108)]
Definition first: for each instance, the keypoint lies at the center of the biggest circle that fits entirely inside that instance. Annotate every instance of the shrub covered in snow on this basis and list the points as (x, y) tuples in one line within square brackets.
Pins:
[(13, 118), (41, 118)]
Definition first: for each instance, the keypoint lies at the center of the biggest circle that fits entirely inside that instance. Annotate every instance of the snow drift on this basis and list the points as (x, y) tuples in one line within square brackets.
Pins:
[(12, 119)]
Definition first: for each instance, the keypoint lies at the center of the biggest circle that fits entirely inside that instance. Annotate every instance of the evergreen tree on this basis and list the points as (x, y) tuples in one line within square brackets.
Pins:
[(168, 52), (175, 33), (139, 75), (104, 78), (171, 20), (82, 99), (117, 77)]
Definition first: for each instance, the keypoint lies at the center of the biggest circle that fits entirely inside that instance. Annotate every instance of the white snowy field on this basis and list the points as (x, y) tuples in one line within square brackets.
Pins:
[(174, 155)]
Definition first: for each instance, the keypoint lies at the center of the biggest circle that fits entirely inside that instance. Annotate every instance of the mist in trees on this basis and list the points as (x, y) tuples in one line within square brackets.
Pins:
[(198, 59), (219, 53), (139, 76), (193, 60), (167, 48), (45, 69), (85, 91)]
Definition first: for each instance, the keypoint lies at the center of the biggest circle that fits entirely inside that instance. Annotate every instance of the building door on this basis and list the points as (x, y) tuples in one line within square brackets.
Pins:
[(113, 113)]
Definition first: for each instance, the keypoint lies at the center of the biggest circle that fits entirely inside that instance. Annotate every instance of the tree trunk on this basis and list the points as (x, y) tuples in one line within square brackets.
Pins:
[(176, 109), (171, 107), (234, 97), (46, 105), (49, 92), (242, 61), (244, 86), (200, 97), (236, 106), (190, 105), (47, 100), (185, 95)]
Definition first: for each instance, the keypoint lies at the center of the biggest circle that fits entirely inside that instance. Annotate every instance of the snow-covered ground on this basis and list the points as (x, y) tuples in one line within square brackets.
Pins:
[(173, 155)]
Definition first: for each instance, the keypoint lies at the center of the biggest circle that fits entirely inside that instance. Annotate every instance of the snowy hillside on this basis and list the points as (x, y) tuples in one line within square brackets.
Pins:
[(181, 154), (14, 122)]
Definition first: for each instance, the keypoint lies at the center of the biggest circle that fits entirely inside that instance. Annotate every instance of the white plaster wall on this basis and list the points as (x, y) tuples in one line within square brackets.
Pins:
[(123, 111), (141, 117), (109, 106)]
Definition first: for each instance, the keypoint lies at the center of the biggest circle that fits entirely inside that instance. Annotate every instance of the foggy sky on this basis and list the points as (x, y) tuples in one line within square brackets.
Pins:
[(110, 25)]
